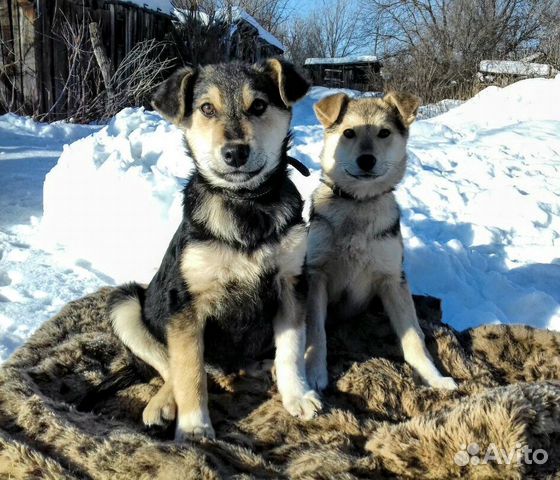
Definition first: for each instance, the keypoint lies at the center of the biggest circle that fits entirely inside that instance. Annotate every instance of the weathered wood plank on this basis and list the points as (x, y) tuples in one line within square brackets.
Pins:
[(101, 57), (44, 24), (113, 49), (60, 58), (8, 68), (33, 48)]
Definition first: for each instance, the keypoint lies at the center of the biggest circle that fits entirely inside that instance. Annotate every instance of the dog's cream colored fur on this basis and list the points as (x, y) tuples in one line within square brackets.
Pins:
[(354, 250), (129, 327)]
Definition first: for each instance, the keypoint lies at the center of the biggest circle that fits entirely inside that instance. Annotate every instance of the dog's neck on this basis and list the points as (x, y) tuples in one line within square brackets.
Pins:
[(245, 223), (266, 190), (339, 192)]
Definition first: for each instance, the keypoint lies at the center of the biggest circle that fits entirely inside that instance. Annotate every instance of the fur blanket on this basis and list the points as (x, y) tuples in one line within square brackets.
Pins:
[(71, 401)]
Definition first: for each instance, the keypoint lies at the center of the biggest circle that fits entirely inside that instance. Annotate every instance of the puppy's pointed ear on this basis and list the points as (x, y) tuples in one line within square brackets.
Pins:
[(173, 99), (291, 85), (405, 103), (329, 109)]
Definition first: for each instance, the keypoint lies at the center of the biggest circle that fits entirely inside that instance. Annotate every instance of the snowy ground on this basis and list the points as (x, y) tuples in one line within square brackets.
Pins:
[(34, 284), (481, 206)]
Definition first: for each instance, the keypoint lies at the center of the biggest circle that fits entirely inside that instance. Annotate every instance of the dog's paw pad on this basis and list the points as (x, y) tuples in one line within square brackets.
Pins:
[(304, 407), (446, 383)]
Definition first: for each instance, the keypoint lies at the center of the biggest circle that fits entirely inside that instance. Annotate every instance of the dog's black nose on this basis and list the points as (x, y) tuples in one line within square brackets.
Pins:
[(366, 162), (236, 154)]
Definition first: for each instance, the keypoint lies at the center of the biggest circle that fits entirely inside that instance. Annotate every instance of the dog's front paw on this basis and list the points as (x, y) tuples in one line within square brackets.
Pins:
[(316, 370), (194, 427), (160, 409), (443, 382), (317, 376), (304, 407)]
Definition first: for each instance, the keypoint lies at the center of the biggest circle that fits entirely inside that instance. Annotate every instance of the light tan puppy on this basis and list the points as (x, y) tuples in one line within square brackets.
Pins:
[(355, 248)]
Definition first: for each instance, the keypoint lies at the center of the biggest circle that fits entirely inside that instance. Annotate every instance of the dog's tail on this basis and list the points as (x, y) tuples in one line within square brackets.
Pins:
[(125, 311)]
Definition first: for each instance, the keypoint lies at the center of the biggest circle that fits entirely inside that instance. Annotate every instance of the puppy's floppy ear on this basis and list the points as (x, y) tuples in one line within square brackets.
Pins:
[(329, 109), (173, 98), (291, 85), (406, 104)]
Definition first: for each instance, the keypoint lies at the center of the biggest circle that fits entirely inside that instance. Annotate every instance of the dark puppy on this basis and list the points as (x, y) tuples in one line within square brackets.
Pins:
[(228, 283)]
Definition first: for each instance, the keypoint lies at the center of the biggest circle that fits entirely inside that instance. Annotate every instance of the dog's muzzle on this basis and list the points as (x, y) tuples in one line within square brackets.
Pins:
[(366, 162), (236, 154)]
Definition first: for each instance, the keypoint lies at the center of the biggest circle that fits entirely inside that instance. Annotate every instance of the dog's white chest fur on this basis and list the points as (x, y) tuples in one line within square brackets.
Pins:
[(348, 245), (209, 267)]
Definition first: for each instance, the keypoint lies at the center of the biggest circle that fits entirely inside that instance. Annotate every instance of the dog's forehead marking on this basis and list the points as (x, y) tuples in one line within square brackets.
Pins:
[(214, 95), (371, 113), (235, 82), (250, 93), (232, 98), (367, 112)]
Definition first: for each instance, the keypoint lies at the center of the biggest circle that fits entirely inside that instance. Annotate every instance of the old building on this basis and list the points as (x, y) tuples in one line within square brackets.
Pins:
[(359, 72), (40, 39)]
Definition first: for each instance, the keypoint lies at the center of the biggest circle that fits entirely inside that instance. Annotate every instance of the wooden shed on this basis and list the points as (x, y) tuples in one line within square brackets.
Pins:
[(359, 72), (35, 68), (250, 41), (34, 58), (239, 35)]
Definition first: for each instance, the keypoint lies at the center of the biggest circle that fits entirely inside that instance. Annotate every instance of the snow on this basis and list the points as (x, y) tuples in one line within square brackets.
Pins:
[(341, 60), (480, 206), (34, 284), (509, 67), (114, 198)]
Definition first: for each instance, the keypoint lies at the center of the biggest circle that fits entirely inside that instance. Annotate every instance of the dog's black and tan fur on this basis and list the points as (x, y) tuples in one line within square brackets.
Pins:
[(228, 283), (355, 249)]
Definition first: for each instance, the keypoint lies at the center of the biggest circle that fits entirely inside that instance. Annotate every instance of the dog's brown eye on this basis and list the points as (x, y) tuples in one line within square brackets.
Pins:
[(384, 133), (208, 109), (349, 133), (258, 107)]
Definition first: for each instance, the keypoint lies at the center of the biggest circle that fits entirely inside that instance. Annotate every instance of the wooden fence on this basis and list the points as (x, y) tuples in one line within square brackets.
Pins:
[(34, 68)]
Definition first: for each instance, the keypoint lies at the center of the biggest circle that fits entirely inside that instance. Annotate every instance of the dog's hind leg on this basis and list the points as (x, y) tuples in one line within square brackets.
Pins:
[(316, 354), (188, 376), (125, 311), (398, 303), (289, 336)]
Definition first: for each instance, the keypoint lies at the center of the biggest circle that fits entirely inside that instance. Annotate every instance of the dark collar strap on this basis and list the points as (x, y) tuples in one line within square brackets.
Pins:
[(300, 167), (346, 196), (337, 190)]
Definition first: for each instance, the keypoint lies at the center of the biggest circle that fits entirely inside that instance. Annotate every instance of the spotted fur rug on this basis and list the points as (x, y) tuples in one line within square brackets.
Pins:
[(71, 401)]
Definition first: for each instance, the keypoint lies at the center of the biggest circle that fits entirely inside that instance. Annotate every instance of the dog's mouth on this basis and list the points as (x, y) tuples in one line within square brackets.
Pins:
[(238, 176), (363, 176)]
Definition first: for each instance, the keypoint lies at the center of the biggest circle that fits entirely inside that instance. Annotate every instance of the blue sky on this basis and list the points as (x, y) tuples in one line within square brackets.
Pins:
[(303, 7)]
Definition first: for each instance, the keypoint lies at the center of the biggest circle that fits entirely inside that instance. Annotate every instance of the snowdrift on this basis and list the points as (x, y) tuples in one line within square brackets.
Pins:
[(114, 198), (480, 202)]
